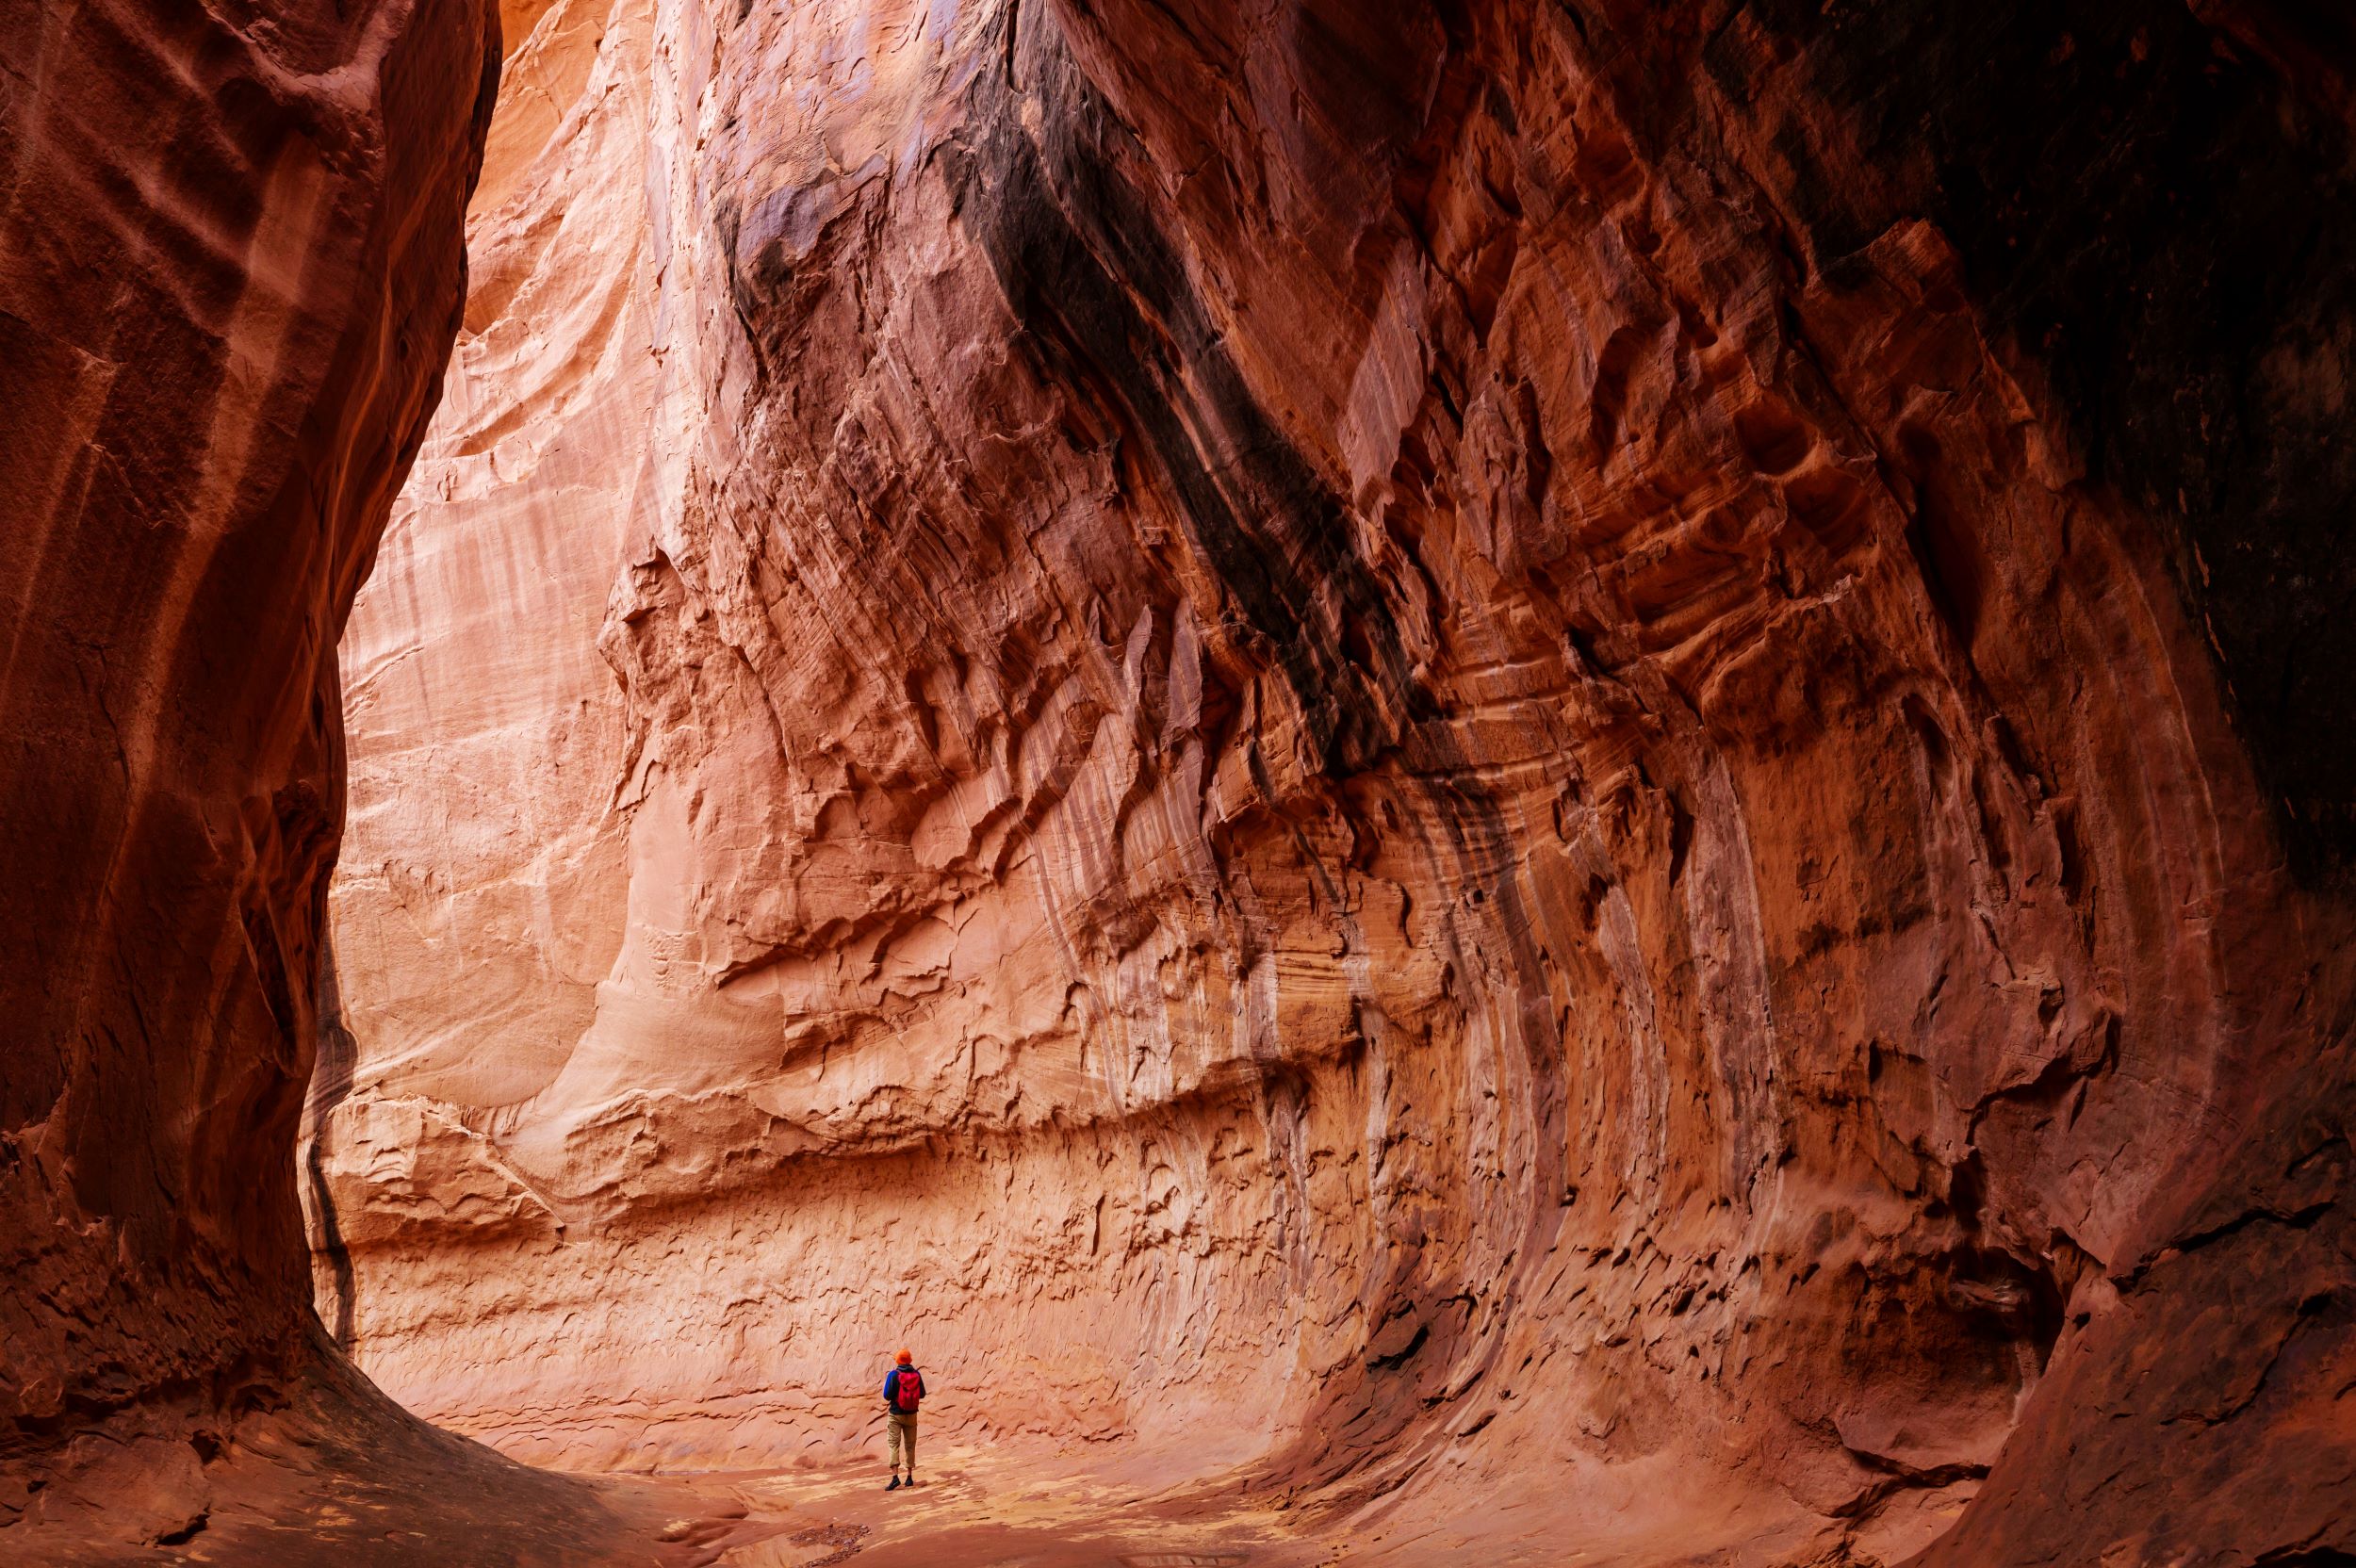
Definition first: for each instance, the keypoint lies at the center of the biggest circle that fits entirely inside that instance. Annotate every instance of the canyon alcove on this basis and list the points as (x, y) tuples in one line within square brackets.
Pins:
[(1547, 781)]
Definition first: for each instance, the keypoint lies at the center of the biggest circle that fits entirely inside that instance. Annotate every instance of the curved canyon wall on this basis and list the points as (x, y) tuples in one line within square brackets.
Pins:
[(1570, 761), (230, 262)]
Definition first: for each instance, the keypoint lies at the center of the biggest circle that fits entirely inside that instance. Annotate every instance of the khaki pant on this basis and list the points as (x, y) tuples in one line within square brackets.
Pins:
[(903, 1441)]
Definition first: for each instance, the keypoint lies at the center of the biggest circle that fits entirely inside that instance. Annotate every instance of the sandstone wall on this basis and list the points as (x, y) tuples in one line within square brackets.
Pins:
[(1581, 755), (230, 263)]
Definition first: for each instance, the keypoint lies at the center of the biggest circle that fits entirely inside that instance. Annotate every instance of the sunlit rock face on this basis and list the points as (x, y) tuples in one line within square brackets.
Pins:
[(1588, 757), (231, 264)]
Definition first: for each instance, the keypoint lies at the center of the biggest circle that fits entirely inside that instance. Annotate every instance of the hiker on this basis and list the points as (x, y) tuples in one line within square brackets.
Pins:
[(904, 1388)]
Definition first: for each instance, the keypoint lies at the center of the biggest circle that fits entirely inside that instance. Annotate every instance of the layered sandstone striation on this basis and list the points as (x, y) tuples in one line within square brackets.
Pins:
[(229, 268), (1583, 755), (231, 264)]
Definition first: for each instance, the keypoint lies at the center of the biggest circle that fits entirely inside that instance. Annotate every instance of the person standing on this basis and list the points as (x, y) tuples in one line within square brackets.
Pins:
[(903, 1391)]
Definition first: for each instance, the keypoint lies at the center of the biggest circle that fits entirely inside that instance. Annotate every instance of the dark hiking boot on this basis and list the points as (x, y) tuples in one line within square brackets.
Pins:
[(894, 1486)]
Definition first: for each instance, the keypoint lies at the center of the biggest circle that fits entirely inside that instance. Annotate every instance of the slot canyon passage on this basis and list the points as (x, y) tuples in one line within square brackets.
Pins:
[(1540, 781)]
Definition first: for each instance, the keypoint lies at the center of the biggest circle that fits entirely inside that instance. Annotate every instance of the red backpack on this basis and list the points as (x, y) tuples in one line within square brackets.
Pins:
[(907, 1387)]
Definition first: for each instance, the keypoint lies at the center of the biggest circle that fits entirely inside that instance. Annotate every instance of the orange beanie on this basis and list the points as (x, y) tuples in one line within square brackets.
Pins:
[(906, 1360)]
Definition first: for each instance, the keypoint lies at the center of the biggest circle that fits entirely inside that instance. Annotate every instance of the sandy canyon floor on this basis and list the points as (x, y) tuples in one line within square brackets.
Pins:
[(974, 1507)]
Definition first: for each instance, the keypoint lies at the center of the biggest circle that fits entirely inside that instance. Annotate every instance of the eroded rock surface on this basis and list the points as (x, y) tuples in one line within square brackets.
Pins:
[(1579, 762), (231, 264)]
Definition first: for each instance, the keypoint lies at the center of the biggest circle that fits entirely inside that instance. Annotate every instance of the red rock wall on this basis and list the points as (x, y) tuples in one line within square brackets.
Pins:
[(229, 269), (1580, 755)]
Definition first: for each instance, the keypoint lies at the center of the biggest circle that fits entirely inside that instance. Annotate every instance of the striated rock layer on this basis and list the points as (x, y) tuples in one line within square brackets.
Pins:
[(231, 264), (1573, 763), (228, 270)]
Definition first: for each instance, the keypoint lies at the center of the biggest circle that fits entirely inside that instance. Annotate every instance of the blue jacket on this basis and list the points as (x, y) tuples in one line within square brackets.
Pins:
[(892, 1386)]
